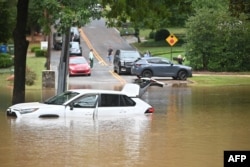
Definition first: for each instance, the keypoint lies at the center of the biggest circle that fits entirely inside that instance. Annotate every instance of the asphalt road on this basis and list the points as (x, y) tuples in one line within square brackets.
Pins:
[(98, 37)]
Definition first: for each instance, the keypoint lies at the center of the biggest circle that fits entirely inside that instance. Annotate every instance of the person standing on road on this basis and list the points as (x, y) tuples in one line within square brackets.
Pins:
[(110, 51), (91, 58)]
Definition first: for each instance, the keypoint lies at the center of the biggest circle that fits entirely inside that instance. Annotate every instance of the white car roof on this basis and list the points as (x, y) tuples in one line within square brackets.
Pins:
[(131, 90), (74, 44), (84, 91)]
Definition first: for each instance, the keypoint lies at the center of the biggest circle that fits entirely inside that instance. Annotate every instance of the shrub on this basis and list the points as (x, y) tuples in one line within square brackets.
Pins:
[(6, 60), (30, 77), (161, 34), (151, 35), (40, 53), (34, 48)]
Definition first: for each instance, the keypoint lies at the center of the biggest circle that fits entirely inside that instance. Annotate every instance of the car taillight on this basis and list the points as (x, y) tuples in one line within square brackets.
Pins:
[(150, 110), (138, 65)]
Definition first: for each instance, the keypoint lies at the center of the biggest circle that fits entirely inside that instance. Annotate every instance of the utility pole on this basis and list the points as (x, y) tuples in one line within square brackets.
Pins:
[(64, 65)]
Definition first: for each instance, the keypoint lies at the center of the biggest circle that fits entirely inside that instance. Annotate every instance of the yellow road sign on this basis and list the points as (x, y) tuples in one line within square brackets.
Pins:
[(171, 39)]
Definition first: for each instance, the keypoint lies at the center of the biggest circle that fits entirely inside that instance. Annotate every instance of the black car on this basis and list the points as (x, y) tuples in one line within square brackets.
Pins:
[(124, 59)]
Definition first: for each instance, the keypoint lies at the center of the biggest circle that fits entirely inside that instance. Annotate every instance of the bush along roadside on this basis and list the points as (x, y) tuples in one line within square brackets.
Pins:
[(6, 60)]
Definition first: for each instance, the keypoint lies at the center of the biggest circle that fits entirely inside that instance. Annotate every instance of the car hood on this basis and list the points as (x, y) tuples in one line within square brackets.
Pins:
[(182, 66), (78, 66), (30, 105)]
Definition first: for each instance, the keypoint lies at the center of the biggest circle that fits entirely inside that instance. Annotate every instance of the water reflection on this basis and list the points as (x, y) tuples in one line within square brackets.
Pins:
[(192, 126), (82, 141)]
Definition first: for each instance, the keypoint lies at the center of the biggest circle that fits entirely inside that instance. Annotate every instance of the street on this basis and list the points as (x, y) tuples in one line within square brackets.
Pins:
[(97, 36)]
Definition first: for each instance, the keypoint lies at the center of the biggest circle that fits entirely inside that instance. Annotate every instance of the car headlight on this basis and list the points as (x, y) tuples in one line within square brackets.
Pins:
[(28, 110)]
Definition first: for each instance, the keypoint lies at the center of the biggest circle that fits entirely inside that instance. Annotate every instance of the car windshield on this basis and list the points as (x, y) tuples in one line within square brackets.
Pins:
[(130, 55), (74, 45), (79, 60), (61, 98)]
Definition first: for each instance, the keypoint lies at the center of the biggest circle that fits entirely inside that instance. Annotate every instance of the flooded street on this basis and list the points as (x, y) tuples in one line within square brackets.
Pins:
[(191, 127)]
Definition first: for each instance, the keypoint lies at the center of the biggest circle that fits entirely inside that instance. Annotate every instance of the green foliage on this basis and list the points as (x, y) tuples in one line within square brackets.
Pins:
[(6, 60), (161, 34), (7, 21), (34, 48), (216, 41), (30, 77), (40, 53), (147, 14), (151, 35)]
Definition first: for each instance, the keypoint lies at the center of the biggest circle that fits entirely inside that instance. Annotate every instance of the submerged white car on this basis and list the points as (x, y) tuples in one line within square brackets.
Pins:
[(87, 103)]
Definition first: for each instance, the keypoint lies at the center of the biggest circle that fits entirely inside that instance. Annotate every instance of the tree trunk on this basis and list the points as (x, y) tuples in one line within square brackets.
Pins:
[(20, 52)]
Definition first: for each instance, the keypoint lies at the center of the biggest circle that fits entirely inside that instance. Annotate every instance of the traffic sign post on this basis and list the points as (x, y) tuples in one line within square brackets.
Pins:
[(171, 40)]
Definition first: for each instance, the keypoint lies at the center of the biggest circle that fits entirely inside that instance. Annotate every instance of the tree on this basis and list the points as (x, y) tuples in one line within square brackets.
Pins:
[(7, 24), (69, 13), (237, 7), (21, 46), (147, 14), (215, 40)]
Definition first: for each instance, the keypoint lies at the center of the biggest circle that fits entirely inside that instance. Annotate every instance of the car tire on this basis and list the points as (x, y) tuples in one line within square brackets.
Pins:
[(182, 75), (147, 73), (118, 70)]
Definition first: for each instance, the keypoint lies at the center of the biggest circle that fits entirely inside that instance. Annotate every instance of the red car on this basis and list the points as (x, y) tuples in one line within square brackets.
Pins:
[(78, 65)]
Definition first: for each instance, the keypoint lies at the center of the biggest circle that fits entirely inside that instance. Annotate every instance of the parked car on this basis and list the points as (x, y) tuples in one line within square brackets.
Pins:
[(124, 59), (78, 65), (160, 67), (57, 40), (75, 35), (89, 103), (75, 49)]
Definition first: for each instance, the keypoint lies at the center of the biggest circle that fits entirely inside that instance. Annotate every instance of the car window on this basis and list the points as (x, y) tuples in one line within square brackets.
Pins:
[(126, 101), (108, 100), (154, 61), (79, 60), (130, 55), (86, 101), (74, 45), (164, 61), (61, 98), (113, 100)]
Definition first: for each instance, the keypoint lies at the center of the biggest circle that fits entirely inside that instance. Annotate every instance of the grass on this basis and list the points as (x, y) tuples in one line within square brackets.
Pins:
[(36, 64), (220, 80), (164, 50)]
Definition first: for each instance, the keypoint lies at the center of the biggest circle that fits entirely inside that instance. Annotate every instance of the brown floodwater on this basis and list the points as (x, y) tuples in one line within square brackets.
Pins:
[(191, 127)]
